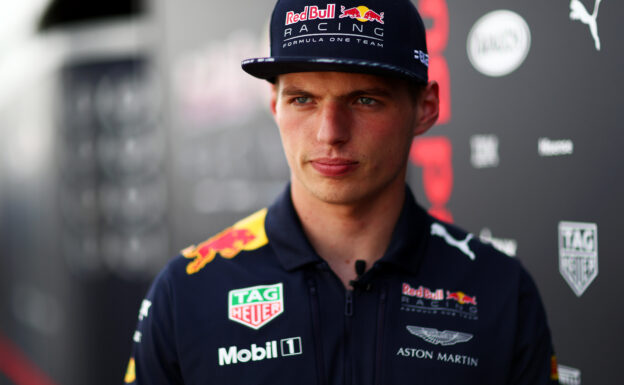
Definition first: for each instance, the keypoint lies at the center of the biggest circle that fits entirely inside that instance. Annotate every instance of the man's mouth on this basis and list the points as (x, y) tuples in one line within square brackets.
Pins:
[(334, 167)]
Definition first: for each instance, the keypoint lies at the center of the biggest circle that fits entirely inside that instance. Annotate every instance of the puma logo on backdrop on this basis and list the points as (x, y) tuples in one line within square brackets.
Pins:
[(580, 13)]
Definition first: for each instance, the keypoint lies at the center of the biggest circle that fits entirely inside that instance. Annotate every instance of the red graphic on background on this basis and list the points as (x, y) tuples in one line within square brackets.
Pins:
[(18, 368), (434, 155), (437, 39)]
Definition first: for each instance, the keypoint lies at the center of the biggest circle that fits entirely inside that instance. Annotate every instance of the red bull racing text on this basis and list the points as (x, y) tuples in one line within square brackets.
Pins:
[(321, 25), (425, 300)]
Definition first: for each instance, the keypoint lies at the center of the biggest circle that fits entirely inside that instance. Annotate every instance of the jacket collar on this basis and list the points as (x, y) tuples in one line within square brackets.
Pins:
[(293, 249)]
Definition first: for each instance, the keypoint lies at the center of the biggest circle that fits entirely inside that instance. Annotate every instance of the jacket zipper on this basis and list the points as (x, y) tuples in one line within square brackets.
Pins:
[(381, 315), (348, 348), (349, 303), (316, 330)]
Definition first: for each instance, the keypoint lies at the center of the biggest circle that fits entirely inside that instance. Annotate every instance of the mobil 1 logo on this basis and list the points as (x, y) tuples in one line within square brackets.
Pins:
[(578, 254), (269, 350)]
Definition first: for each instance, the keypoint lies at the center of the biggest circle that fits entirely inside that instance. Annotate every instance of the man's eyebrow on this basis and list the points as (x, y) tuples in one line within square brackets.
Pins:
[(373, 91), (292, 90)]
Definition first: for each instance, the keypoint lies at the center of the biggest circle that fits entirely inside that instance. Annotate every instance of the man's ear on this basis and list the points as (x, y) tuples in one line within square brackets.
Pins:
[(428, 108)]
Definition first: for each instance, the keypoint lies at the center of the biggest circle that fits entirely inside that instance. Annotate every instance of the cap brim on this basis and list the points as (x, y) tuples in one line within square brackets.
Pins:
[(269, 68)]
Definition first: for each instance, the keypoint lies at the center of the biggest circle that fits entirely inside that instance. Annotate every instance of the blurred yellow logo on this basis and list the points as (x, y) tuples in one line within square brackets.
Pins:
[(130, 372)]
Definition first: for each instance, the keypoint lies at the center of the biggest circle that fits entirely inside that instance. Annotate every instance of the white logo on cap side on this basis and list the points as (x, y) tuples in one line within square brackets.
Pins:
[(498, 43)]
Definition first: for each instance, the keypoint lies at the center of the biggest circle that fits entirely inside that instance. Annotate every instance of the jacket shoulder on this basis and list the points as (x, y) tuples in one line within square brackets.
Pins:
[(245, 235)]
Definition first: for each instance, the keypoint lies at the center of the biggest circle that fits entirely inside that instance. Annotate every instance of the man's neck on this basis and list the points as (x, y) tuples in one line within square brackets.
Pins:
[(342, 234)]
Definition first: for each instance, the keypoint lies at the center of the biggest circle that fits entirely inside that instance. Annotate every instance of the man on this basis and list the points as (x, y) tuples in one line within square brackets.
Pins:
[(344, 279)]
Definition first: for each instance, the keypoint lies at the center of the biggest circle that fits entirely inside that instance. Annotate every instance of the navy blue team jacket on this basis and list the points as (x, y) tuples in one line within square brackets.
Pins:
[(256, 305)]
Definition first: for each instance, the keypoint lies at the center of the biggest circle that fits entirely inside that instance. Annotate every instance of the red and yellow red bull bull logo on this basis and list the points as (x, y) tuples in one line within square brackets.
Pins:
[(361, 13), (257, 305), (461, 297), (247, 234)]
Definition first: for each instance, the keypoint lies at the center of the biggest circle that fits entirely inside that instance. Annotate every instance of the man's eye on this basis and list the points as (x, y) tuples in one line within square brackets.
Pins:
[(301, 100), (366, 101)]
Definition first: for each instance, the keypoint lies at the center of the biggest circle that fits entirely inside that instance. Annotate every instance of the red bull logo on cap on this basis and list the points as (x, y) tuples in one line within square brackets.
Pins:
[(247, 234), (361, 13), (311, 12)]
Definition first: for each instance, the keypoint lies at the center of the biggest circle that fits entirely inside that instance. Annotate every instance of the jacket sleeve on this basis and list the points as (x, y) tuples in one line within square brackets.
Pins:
[(154, 359), (534, 361)]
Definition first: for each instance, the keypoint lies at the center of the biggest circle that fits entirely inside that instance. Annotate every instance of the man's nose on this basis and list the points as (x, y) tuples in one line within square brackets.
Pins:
[(334, 125)]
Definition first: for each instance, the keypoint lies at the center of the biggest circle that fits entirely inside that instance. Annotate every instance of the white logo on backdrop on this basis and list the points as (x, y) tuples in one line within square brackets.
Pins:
[(548, 147), (568, 375), (579, 12), (578, 254), (498, 43), (504, 245), (484, 151)]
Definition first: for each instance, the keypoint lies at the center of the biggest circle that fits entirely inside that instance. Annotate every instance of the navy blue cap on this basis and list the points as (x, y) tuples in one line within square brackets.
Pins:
[(378, 37)]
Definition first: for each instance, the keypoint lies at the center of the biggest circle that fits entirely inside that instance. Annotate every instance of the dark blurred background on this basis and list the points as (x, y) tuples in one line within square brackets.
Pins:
[(128, 131)]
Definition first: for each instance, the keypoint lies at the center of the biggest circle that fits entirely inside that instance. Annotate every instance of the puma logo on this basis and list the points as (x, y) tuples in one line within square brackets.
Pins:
[(579, 12), (440, 231)]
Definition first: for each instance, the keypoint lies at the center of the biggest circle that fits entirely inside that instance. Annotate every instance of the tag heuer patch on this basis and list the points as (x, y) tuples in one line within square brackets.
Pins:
[(257, 305)]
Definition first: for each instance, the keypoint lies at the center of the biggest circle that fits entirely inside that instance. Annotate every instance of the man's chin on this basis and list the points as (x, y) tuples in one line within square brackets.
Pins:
[(338, 192)]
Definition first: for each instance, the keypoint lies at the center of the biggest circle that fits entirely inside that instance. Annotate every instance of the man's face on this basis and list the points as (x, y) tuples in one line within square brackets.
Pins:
[(346, 136)]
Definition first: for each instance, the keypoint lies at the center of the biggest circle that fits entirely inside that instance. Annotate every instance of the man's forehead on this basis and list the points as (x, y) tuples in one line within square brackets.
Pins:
[(336, 80)]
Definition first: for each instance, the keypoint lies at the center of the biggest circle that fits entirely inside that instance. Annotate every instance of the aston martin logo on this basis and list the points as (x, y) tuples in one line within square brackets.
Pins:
[(436, 337)]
